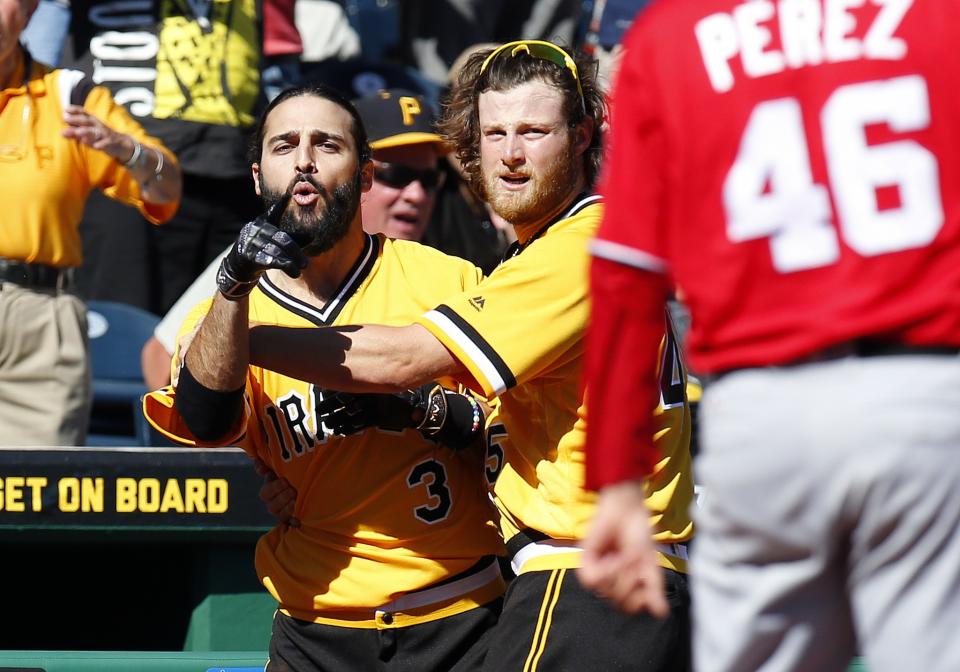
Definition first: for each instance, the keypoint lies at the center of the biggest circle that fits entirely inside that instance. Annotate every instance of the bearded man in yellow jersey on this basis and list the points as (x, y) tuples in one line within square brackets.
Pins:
[(525, 120), (393, 563)]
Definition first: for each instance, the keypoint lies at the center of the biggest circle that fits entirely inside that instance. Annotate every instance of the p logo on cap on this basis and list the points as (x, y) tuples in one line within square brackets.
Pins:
[(410, 107)]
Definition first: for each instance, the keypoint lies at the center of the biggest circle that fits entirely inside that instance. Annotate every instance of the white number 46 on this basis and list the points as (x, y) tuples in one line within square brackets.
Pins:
[(770, 192)]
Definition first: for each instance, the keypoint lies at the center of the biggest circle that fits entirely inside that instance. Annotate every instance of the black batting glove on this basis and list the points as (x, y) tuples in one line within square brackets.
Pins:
[(454, 420), (260, 245), (344, 413)]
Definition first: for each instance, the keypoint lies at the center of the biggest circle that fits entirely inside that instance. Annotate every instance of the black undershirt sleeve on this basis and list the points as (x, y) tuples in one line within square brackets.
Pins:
[(208, 414)]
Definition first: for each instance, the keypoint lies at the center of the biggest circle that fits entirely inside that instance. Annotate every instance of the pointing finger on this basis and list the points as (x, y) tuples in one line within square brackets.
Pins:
[(275, 211)]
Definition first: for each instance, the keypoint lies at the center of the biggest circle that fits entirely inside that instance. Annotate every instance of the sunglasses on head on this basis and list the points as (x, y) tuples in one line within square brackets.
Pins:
[(398, 176), (547, 51)]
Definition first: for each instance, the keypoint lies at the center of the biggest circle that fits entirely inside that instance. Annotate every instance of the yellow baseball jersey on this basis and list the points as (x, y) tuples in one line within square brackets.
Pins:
[(383, 514), (520, 333), (45, 178)]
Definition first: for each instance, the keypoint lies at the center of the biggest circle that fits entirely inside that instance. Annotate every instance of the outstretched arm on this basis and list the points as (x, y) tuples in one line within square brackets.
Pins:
[(367, 358)]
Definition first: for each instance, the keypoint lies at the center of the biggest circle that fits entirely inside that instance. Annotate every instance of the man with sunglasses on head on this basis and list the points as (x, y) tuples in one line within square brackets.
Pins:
[(390, 563), (525, 119)]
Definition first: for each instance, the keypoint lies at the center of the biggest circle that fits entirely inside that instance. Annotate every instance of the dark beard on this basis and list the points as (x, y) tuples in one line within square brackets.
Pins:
[(317, 234)]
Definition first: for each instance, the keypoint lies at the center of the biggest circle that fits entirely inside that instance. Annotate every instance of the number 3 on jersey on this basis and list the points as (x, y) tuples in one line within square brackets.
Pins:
[(433, 475), (769, 191)]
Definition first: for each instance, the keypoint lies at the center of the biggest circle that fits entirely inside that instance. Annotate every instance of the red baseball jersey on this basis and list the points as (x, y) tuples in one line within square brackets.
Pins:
[(793, 168)]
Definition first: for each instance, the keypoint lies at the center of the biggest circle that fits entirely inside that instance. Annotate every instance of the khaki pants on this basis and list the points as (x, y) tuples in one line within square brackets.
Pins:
[(45, 386)]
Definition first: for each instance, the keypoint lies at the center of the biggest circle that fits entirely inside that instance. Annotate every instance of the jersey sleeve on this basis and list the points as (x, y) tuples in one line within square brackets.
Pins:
[(521, 321), (634, 172), (159, 406), (111, 176)]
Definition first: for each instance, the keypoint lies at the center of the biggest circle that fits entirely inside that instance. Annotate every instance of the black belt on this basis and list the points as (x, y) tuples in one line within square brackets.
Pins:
[(524, 538), (35, 275), (869, 347), (861, 347)]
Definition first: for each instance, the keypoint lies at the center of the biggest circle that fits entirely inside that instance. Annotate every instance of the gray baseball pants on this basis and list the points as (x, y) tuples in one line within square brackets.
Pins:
[(829, 523)]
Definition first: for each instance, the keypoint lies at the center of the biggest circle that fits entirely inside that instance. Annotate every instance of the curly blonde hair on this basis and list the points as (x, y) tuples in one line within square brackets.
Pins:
[(460, 120)]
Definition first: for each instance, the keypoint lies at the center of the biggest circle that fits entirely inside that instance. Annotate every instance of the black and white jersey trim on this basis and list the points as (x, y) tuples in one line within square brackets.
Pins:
[(581, 204), (583, 200), (328, 314), (494, 369)]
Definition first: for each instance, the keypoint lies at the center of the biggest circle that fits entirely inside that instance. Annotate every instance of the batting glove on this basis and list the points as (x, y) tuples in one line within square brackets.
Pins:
[(260, 245), (455, 420)]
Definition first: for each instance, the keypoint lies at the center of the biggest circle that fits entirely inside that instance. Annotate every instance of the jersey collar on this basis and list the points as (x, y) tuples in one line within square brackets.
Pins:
[(327, 315), (583, 199)]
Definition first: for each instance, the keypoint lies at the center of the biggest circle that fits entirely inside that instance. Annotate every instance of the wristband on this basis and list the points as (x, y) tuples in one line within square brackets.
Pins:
[(476, 412), (135, 157), (231, 288), (463, 426), (435, 414), (159, 168)]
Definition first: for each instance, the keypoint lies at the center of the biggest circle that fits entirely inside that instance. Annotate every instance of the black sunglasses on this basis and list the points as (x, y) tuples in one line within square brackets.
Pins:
[(398, 176)]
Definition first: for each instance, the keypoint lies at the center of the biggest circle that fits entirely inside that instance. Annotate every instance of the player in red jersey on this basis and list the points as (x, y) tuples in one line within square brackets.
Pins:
[(794, 168)]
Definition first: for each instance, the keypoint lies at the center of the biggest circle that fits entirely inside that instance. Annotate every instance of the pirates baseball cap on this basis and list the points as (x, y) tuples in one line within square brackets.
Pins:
[(397, 117)]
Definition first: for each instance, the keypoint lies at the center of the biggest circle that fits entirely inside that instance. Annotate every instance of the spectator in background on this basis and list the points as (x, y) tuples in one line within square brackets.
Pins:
[(399, 202), (47, 170), (405, 154), (330, 36), (282, 47), (189, 72), (463, 224), (434, 34), (603, 26)]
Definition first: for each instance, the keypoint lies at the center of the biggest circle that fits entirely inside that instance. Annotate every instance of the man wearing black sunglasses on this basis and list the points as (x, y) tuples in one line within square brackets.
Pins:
[(405, 154)]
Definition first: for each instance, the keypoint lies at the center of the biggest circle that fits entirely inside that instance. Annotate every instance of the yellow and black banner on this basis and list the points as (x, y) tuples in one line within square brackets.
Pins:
[(130, 488)]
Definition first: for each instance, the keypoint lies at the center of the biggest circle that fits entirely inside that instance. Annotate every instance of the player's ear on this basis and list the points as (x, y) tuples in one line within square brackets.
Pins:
[(366, 176), (255, 172), (582, 134)]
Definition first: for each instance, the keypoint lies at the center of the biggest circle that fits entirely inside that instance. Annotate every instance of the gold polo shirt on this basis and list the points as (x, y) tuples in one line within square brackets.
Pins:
[(45, 178)]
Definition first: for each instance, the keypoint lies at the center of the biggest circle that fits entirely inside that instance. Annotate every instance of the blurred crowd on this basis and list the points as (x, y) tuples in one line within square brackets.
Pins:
[(195, 74)]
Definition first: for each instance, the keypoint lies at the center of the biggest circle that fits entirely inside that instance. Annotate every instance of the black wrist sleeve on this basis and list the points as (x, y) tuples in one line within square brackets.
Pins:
[(208, 414)]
